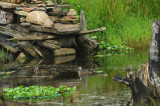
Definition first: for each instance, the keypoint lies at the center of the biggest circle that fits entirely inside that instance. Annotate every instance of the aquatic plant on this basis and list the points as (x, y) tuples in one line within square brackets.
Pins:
[(37, 93)]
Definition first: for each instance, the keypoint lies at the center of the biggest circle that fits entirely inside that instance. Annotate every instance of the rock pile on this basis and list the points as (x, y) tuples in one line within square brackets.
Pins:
[(43, 28)]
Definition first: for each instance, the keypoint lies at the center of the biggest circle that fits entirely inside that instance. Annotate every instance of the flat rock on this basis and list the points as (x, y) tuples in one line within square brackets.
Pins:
[(39, 17), (72, 12), (8, 5), (22, 13), (60, 29), (64, 52), (6, 17), (49, 3), (55, 19)]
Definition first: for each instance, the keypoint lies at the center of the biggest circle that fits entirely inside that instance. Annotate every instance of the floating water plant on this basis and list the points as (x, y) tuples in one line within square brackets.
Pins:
[(37, 93)]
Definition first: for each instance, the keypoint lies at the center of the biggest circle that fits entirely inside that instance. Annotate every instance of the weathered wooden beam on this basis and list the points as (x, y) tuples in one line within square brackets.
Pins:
[(8, 47), (29, 48), (64, 5), (45, 37), (92, 31)]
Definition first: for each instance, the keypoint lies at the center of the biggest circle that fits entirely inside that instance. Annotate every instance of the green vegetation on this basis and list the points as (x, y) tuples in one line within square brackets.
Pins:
[(128, 22), (37, 93)]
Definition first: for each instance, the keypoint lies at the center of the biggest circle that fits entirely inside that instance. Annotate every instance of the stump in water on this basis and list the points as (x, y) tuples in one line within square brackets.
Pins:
[(146, 85)]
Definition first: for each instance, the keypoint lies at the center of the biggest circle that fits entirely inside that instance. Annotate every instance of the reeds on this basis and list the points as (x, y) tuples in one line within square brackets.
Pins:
[(128, 22)]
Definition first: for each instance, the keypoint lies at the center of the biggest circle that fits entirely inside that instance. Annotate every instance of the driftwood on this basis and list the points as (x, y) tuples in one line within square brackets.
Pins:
[(25, 45), (8, 47), (45, 37), (92, 31), (146, 84)]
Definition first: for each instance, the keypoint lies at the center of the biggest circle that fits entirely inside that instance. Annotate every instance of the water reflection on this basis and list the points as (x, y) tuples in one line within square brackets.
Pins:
[(96, 89)]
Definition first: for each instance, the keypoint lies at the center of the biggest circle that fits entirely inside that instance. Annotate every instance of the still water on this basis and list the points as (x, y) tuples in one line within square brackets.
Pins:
[(96, 89)]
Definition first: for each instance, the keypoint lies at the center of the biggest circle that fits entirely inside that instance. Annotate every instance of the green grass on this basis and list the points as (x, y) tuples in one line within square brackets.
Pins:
[(128, 22)]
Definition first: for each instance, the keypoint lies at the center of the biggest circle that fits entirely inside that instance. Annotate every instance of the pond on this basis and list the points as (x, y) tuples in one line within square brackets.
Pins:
[(92, 89)]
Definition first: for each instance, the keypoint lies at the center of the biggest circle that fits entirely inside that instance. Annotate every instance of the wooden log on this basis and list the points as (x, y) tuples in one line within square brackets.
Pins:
[(92, 31), (50, 44), (64, 5), (29, 48), (45, 37), (8, 47)]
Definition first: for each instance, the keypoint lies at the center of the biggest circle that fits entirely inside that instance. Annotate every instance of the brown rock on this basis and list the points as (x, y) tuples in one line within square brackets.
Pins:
[(39, 17), (69, 19), (22, 57), (72, 12), (64, 52), (26, 9)]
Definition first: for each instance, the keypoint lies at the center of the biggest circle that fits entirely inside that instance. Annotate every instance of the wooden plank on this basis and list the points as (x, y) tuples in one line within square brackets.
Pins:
[(9, 48), (64, 5), (43, 37), (92, 31)]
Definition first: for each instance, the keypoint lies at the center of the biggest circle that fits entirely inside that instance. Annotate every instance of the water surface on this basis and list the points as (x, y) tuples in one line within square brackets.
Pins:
[(95, 90)]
